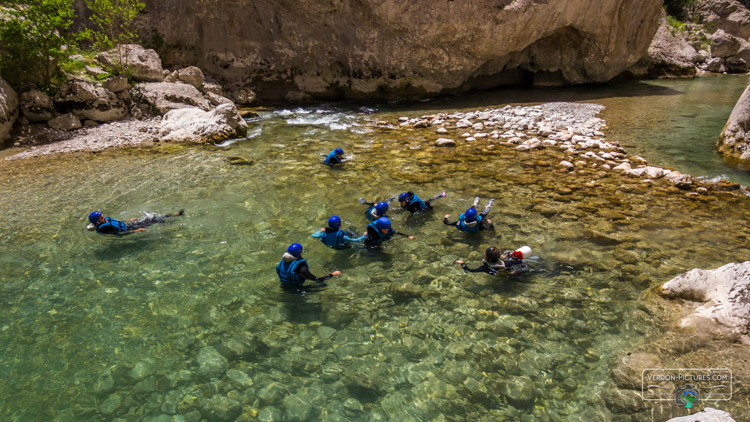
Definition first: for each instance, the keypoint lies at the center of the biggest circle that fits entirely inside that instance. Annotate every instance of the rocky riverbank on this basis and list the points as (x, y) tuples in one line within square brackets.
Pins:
[(571, 130)]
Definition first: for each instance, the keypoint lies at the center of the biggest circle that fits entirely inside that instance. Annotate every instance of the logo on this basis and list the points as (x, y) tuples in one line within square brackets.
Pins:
[(687, 396)]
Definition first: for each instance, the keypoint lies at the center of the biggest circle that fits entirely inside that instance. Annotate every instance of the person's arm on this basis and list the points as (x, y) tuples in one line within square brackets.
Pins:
[(318, 234), (448, 223), (482, 269), (356, 239), (305, 272), (405, 235)]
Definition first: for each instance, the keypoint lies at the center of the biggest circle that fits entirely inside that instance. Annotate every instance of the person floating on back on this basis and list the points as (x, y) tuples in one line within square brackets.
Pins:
[(107, 225), (293, 270), (376, 210), (379, 231), (470, 221), (333, 237), (495, 263), (412, 203), (335, 157)]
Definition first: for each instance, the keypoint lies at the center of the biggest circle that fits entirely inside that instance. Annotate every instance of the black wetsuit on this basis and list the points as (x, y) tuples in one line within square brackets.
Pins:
[(510, 265), (376, 238), (303, 271)]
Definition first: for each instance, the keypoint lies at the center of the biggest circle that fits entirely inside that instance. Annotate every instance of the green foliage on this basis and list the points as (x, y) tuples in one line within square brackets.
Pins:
[(31, 38), (676, 24), (113, 23)]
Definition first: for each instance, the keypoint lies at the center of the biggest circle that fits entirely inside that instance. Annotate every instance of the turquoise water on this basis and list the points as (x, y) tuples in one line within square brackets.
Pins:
[(187, 318)]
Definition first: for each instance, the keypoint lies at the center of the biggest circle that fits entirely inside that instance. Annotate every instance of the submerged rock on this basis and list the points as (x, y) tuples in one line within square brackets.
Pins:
[(196, 125), (725, 293)]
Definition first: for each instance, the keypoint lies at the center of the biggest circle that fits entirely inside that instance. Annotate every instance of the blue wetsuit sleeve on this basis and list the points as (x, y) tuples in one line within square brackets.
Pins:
[(356, 239), (317, 235)]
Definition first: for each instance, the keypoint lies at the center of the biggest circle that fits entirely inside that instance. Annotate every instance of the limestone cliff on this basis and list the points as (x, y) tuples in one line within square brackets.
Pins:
[(734, 141), (396, 49)]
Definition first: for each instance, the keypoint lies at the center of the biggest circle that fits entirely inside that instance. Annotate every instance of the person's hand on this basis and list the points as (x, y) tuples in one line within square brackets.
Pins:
[(459, 261), (130, 220), (364, 234), (336, 273), (447, 216), (322, 230), (142, 229), (412, 237)]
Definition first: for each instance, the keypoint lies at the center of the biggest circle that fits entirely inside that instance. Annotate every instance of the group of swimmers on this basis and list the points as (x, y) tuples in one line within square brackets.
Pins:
[(293, 270)]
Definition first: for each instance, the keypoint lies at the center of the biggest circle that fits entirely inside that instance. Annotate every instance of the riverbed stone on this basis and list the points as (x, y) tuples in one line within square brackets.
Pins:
[(445, 142), (145, 64), (37, 106), (519, 390), (221, 409), (627, 369), (110, 405), (708, 414), (211, 364)]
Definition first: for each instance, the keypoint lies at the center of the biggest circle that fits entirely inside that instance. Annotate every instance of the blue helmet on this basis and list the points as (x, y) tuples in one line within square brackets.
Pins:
[(471, 215), (381, 208), (403, 197), (334, 222), (383, 223), (338, 151), (94, 217), (295, 249)]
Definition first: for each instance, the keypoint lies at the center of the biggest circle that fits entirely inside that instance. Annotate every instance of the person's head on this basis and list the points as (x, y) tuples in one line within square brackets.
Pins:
[(381, 208), (339, 152), (383, 224), (404, 198), (334, 222), (95, 217), (471, 215), (492, 254), (295, 250)]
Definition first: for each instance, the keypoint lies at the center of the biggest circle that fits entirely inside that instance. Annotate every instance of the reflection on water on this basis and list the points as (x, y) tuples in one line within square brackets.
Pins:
[(187, 318)]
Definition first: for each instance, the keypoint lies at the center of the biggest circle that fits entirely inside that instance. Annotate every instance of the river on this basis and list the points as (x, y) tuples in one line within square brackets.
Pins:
[(187, 318)]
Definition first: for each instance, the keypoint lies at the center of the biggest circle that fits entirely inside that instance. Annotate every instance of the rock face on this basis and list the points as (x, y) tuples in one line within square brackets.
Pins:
[(160, 97), (725, 292), (734, 141), (728, 15), (391, 48), (708, 415), (37, 106), (90, 101), (668, 56), (196, 125), (8, 109), (145, 64)]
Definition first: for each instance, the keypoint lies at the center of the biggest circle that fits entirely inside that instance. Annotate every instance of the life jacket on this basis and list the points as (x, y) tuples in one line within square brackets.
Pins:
[(285, 270), (380, 236), (495, 267), (371, 214), (332, 159), (415, 200), (472, 227), (334, 239), (111, 223)]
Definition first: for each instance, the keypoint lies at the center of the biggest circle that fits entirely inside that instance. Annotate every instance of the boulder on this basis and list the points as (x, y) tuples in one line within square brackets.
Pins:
[(709, 414), (627, 370), (37, 106), (681, 181), (216, 100), (724, 45), (669, 55), (116, 83), (490, 43), (734, 142), (8, 109), (245, 96), (90, 101), (190, 75), (716, 65), (724, 292), (445, 142), (145, 64), (728, 15), (195, 125), (160, 97), (212, 87), (65, 122)]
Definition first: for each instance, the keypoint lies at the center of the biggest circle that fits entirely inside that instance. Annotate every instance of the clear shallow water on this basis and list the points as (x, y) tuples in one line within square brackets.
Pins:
[(188, 317)]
